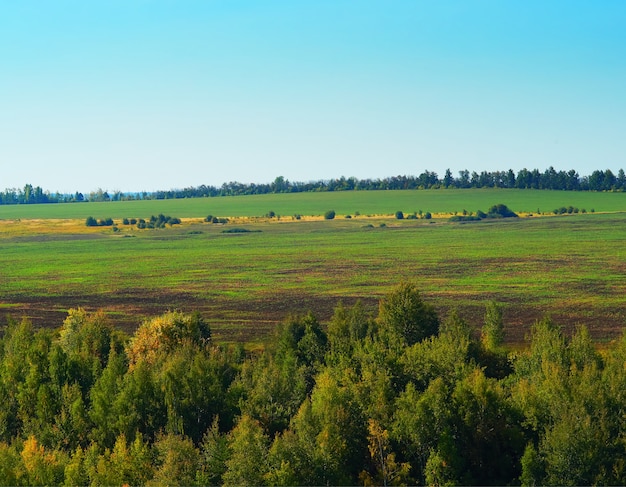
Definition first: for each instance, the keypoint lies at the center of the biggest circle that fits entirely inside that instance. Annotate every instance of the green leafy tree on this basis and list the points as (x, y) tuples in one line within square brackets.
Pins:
[(139, 407), (303, 337), (191, 383), (248, 464), (214, 452), (405, 316), (492, 333), (348, 327), (103, 396), (177, 461), (14, 369), (272, 390)]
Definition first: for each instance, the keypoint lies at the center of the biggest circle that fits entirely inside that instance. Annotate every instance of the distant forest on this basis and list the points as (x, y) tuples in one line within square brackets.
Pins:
[(599, 180)]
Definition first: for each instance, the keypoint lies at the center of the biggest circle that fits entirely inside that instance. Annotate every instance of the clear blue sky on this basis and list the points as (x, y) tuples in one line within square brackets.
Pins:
[(158, 94)]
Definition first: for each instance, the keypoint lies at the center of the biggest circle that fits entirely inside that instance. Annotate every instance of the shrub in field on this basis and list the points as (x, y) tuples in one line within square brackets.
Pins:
[(428, 215), (501, 211), (329, 215), (399, 215), (91, 222)]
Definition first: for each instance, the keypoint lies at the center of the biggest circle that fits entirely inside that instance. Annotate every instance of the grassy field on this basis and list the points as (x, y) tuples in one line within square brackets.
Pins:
[(571, 267), (347, 202)]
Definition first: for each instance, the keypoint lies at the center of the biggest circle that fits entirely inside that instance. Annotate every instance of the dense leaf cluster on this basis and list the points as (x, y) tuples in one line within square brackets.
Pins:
[(400, 398)]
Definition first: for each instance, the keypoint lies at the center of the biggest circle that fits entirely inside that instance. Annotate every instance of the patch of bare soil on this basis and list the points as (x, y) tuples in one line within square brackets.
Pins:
[(254, 319)]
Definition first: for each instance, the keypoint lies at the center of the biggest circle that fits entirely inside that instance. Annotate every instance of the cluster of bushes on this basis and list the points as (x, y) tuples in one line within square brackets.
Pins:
[(570, 209), (158, 221), (214, 219), (413, 216), (496, 211), (103, 222), (400, 398)]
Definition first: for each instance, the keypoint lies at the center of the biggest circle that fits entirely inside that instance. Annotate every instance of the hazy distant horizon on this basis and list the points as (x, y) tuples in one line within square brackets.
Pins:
[(147, 95)]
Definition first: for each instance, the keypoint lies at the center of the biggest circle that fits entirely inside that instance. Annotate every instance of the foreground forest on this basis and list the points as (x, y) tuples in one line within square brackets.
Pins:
[(403, 397)]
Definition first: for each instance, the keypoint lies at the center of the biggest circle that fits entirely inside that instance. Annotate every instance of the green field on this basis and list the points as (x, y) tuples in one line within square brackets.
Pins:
[(347, 202), (572, 267)]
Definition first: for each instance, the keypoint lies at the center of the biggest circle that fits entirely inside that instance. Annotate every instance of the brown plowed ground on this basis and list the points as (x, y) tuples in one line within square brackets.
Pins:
[(254, 319)]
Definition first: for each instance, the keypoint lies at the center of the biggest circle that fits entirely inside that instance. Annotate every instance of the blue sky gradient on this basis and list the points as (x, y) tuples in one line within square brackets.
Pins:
[(136, 95)]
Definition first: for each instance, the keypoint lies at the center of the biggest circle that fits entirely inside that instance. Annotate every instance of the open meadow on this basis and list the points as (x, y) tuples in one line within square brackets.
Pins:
[(571, 267)]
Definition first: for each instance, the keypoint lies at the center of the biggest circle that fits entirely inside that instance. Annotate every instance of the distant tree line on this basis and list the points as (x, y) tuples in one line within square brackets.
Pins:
[(599, 180), (398, 398)]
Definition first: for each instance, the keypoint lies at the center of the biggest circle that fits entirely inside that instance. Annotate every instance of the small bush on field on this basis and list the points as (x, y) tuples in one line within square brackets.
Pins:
[(369, 225), (399, 215), (348, 216), (329, 215), (125, 221), (297, 216), (428, 215), (412, 217), (91, 222)]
